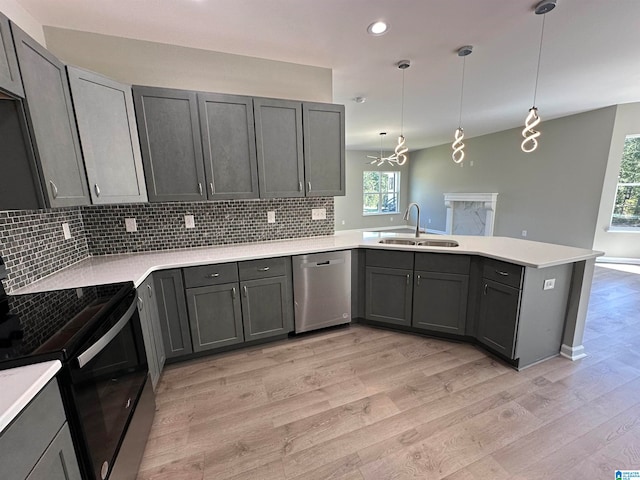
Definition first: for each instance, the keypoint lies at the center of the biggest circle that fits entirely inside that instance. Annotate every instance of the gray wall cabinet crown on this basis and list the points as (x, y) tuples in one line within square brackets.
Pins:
[(324, 140), (228, 139), (109, 137), (52, 122), (170, 142), (10, 79)]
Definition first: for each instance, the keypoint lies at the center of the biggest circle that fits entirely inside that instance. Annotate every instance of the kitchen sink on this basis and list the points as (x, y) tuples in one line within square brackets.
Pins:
[(398, 241), (437, 243)]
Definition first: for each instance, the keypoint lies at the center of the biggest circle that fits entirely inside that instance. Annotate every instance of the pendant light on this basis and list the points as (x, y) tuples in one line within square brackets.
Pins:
[(458, 147), (401, 149), (530, 142)]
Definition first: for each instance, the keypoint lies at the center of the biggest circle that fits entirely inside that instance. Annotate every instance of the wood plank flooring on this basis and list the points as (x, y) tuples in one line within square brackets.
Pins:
[(360, 403)]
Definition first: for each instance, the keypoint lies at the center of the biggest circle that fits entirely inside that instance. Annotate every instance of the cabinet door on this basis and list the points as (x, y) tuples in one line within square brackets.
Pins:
[(266, 308), (59, 461), (323, 149), (10, 80), (279, 147), (170, 142), (52, 122), (498, 320), (109, 137), (154, 320), (215, 316), (388, 295), (172, 313), (148, 337), (440, 302), (229, 147)]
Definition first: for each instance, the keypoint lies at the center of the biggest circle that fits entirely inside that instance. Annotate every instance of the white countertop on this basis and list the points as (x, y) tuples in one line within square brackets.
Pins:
[(136, 267), (20, 385)]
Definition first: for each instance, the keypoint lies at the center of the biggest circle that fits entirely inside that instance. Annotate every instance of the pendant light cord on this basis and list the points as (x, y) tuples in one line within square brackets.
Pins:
[(402, 107), (464, 60), (535, 90)]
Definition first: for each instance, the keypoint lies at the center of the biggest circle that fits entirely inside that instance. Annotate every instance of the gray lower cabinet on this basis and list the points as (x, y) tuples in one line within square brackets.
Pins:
[(172, 313), (109, 137), (229, 147), (279, 147), (440, 302), (498, 319), (169, 132), (388, 295), (37, 444), (10, 80), (152, 334), (324, 152), (215, 316), (52, 123)]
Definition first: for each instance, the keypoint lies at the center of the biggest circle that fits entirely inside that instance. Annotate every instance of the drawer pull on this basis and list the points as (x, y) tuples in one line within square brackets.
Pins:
[(200, 189), (54, 189), (212, 275), (504, 274), (485, 288), (418, 279), (140, 304), (246, 292), (263, 269), (150, 291), (97, 190), (408, 277), (212, 189), (299, 186), (233, 293)]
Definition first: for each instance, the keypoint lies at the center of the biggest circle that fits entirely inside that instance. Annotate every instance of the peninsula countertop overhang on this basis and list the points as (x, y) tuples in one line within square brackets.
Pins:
[(136, 267)]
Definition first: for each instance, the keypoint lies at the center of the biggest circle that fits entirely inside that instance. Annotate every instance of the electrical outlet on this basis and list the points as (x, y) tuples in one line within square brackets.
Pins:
[(549, 284), (66, 231), (343, 222), (271, 217), (524, 233), (391, 219), (189, 221), (429, 221), (79, 292), (130, 225), (471, 163), (318, 214)]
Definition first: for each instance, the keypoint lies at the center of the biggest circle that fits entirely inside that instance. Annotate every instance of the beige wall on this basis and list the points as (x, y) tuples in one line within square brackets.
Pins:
[(617, 244), (348, 209), (149, 63), (23, 19), (553, 193)]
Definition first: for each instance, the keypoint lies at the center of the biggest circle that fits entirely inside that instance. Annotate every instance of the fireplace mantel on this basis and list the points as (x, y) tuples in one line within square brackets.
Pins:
[(470, 213)]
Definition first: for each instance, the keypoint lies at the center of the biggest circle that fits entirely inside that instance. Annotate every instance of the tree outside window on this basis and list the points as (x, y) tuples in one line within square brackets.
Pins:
[(626, 212), (381, 192)]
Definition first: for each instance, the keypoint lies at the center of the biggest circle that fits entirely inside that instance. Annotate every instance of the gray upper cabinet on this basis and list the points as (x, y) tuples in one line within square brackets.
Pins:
[(324, 139), (279, 147), (228, 140), (51, 122), (172, 313), (10, 80), (170, 142), (109, 138)]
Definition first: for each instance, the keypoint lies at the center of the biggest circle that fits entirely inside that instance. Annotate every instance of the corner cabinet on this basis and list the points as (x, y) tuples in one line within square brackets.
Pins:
[(10, 80), (172, 313), (324, 151), (150, 323), (51, 122), (109, 137)]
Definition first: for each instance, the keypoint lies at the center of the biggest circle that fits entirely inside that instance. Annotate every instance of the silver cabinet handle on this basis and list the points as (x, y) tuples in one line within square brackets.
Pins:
[(233, 293), (97, 190), (308, 186), (246, 291), (213, 275), (504, 274), (418, 280), (54, 189), (485, 288), (200, 189), (408, 278), (263, 269), (150, 291), (300, 186), (211, 188), (140, 303)]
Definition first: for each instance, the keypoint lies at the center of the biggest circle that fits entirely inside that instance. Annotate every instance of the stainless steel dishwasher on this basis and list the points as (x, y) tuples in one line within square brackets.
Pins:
[(322, 290)]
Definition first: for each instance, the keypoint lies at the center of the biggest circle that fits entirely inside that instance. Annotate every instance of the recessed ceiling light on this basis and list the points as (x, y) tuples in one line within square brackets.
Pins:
[(378, 28)]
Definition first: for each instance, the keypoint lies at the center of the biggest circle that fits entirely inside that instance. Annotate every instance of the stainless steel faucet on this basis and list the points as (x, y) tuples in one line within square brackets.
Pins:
[(406, 216)]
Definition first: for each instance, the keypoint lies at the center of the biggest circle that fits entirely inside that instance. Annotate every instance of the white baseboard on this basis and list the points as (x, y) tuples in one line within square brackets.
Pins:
[(627, 261), (572, 353)]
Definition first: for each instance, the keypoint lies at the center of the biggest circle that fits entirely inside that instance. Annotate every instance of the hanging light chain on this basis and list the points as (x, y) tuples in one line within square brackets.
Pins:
[(535, 89)]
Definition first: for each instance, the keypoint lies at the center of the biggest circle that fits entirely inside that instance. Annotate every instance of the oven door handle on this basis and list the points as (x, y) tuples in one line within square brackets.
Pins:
[(90, 353)]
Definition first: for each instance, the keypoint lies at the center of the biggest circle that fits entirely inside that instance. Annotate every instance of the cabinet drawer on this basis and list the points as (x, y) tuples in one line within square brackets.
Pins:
[(502, 272), (26, 439), (443, 263), (268, 267), (210, 275), (389, 259)]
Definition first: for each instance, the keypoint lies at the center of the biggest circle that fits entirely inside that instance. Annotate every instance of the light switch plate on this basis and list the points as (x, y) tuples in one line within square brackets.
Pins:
[(549, 284), (318, 214), (66, 231), (130, 225), (189, 221), (271, 217)]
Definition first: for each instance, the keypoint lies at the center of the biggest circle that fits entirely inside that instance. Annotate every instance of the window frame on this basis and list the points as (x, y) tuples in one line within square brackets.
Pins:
[(380, 193), (621, 228)]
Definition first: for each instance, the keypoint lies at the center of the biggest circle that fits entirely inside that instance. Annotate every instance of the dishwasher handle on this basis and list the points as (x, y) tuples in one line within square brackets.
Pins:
[(326, 263)]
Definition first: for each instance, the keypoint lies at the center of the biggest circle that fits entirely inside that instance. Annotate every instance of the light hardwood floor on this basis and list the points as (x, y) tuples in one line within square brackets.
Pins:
[(364, 403)]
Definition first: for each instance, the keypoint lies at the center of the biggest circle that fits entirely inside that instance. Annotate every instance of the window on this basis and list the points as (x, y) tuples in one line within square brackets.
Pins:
[(381, 192), (626, 211)]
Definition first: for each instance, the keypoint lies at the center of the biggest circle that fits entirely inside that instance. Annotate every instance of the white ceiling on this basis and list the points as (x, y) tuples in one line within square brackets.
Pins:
[(590, 56)]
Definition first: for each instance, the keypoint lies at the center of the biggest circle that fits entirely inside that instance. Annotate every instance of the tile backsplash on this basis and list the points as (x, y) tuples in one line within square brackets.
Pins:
[(33, 246)]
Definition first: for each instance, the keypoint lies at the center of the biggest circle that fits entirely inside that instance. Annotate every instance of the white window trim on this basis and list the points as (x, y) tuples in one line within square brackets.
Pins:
[(396, 191)]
